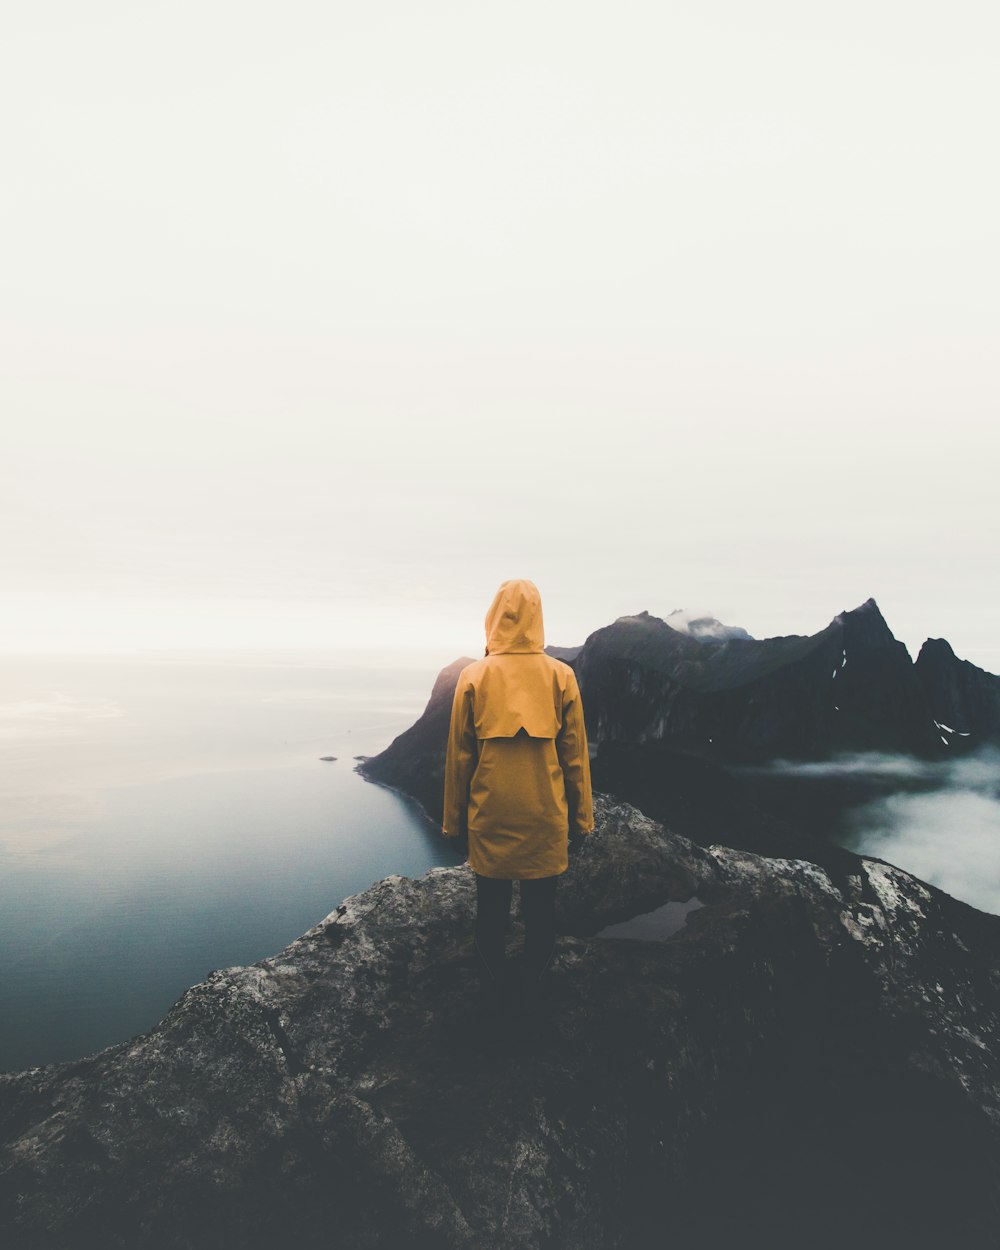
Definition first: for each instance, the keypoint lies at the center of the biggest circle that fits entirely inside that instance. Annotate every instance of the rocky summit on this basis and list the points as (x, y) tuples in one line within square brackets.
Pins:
[(794, 1057)]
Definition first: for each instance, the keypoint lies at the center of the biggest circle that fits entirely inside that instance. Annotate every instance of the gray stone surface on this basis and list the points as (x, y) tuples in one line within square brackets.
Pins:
[(802, 1063)]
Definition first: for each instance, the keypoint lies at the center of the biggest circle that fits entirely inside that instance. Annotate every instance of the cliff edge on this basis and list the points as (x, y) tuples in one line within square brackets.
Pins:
[(802, 1063)]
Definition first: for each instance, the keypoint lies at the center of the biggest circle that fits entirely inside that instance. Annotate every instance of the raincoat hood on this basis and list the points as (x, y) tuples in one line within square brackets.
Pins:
[(514, 621)]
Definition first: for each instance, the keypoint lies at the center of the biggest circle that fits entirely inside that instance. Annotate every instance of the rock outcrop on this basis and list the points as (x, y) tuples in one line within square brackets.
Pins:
[(964, 700), (813, 1059)]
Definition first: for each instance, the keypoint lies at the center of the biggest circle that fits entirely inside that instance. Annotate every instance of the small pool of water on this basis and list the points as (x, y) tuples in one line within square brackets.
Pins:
[(654, 926)]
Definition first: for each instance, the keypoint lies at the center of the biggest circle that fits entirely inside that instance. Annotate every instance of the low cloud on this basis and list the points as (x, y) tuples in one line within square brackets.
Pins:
[(703, 625), (867, 764), (949, 837), (937, 819), (947, 831), (978, 772)]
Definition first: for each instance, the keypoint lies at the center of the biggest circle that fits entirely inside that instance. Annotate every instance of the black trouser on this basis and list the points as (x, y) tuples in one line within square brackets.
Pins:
[(538, 907)]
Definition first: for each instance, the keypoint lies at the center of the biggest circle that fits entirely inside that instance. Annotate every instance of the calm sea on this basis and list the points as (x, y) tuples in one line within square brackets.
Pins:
[(159, 819)]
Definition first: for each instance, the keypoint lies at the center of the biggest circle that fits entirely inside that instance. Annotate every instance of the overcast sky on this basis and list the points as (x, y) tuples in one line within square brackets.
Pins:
[(318, 320)]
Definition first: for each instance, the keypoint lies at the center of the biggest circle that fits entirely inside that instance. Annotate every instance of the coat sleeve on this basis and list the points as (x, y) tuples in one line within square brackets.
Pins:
[(574, 758), (460, 762)]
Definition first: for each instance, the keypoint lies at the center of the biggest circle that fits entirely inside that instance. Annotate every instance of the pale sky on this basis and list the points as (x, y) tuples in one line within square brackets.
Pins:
[(318, 320)]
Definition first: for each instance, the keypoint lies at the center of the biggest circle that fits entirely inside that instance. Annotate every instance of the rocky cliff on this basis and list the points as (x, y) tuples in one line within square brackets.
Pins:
[(414, 762), (963, 699), (852, 687), (812, 1059)]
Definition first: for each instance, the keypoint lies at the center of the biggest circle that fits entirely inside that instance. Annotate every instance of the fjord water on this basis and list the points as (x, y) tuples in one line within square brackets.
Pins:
[(163, 818)]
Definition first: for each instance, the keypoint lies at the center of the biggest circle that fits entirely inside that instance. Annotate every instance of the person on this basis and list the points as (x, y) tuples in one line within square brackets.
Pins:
[(517, 780)]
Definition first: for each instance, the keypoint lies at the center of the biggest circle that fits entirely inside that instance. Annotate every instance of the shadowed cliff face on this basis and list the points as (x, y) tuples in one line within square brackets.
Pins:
[(849, 687), (964, 700), (804, 1063), (413, 763)]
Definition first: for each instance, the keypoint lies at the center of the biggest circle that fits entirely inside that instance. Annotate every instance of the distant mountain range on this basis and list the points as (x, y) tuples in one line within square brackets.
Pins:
[(672, 710), (850, 687)]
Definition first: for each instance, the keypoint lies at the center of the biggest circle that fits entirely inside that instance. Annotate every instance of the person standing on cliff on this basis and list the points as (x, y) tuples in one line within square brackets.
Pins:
[(517, 780)]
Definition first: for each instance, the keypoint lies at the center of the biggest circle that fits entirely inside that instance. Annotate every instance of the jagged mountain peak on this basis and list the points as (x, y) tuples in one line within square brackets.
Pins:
[(640, 629), (964, 699), (645, 615), (641, 633), (935, 647), (865, 624), (849, 687), (869, 608)]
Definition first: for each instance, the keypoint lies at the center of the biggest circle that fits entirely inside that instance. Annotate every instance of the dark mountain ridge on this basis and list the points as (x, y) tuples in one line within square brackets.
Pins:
[(851, 686), (964, 700), (705, 733), (413, 763), (654, 695)]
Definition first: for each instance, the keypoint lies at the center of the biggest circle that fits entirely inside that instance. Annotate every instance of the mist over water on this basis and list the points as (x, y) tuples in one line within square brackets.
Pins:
[(939, 820), (949, 836)]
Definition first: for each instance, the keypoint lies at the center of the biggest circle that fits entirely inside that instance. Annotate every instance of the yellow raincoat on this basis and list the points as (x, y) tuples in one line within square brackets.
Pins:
[(517, 775)]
